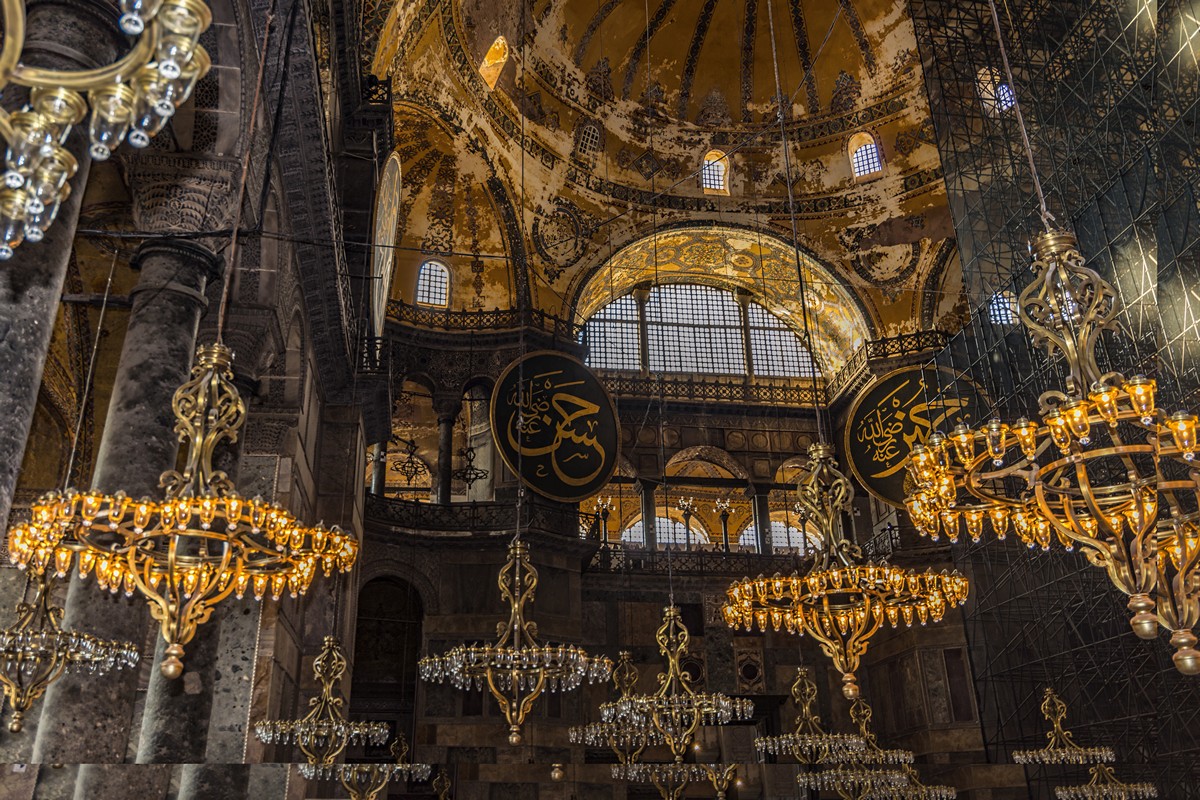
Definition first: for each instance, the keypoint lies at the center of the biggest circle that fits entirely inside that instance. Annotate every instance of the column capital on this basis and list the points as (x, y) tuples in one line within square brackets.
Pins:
[(180, 193), (446, 406)]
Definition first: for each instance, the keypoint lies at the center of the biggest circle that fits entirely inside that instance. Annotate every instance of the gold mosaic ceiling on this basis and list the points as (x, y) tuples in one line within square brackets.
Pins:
[(561, 213)]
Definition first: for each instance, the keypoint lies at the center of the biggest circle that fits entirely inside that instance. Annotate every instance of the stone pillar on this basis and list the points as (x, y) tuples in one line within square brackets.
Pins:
[(379, 470), (743, 301), (87, 721), (649, 513), (641, 295), (60, 34), (760, 496), (447, 410)]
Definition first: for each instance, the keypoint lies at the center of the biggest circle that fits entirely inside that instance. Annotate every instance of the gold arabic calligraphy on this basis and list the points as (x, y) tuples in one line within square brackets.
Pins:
[(546, 419), (901, 419)]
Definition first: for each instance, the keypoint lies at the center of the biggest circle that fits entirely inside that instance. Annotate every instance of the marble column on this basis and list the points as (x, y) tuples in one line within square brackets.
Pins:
[(379, 470), (60, 34), (86, 720), (447, 410), (646, 489), (761, 498)]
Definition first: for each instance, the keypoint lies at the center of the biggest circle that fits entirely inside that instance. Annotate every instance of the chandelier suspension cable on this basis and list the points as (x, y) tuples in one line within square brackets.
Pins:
[(791, 195), (1047, 217), (91, 373), (248, 148)]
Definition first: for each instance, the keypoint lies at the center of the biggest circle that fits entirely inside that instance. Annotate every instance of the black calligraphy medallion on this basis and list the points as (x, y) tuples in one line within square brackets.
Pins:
[(901, 410), (555, 426)]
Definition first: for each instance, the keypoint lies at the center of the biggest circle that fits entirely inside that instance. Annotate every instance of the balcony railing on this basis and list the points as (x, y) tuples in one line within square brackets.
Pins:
[(620, 558), (478, 518), (494, 320), (796, 393)]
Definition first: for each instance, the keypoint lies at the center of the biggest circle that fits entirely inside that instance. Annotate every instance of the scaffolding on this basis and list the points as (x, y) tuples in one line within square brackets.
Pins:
[(1110, 94)]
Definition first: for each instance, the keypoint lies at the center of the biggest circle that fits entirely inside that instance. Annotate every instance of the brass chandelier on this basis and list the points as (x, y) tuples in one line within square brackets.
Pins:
[(676, 711), (37, 651), (1101, 467), (324, 732), (197, 545), (843, 600), (1061, 749), (518, 668), (130, 100), (627, 742), (368, 781), (1104, 469)]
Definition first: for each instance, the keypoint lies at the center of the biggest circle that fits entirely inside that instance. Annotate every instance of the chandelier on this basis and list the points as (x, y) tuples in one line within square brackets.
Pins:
[(1061, 749), (843, 600), (627, 742), (367, 781), (1103, 469), (808, 742), (1060, 745), (676, 711), (468, 473), (36, 651), (200, 543), (411, 466), (874, 773), (323, 733), (671, 780), (1100, 467), (129, 100), (518, 668), (441, 785)]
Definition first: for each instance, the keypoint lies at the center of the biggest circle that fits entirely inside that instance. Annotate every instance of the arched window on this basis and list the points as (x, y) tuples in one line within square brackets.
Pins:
[(996, 94), (864, 155), (694, 329), (714, 175), (433, 284), (494, 61), (589, 137), (1006, 98), (1002, 308)]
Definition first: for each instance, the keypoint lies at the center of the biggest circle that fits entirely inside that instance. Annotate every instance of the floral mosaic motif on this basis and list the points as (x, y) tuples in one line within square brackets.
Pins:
[(647, 164), (639, 50), (559, 235), (850, 14), (846, 93), (439, 238), (889, 267), (714, 111), (908, 141), (599, 80)]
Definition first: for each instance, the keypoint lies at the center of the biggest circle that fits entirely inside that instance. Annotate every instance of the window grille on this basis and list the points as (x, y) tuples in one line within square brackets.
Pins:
[(589, 138), (775, 349), (1002, 308), (692, 328), (433, 284), (865, 160)]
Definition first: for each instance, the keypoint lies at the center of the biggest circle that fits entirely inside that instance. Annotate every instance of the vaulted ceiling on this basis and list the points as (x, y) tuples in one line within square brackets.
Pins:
[(664, 81)]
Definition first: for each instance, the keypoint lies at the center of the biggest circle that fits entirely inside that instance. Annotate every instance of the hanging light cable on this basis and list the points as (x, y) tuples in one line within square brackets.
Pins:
[(843, 599)]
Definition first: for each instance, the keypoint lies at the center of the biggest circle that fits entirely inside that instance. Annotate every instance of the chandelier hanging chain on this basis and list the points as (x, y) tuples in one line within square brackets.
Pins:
[(1046, 216), (791, 195), (90, 375)]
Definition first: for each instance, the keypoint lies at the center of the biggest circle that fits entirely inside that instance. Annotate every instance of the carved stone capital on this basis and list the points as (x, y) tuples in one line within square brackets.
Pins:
[(175, 193)]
